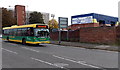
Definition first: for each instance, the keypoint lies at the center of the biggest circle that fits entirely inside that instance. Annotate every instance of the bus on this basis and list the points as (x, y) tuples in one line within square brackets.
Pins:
[(32, 34)]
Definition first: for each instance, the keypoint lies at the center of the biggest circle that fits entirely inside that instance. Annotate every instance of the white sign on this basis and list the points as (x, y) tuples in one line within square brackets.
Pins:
[(82, 20)]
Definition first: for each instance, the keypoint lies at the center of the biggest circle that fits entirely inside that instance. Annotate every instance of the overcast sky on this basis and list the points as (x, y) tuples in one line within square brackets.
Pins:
[(67, 8)]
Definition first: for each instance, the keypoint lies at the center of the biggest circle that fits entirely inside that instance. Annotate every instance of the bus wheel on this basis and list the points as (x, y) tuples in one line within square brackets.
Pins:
[(7, 38), (23, 41)]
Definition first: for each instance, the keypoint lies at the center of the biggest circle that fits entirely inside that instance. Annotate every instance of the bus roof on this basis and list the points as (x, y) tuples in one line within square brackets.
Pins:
[(23, 26)]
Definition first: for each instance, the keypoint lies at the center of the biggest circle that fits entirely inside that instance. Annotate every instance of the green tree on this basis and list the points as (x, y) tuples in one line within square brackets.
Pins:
[(36, 17), (53, 24), (7, 18)]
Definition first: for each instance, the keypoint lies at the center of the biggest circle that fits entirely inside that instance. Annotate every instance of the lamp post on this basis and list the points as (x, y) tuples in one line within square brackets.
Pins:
[(52, 15), (27, 15), (11, 9)]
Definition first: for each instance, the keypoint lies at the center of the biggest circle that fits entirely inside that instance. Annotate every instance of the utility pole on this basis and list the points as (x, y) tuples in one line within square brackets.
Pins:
[(67, 35), (59, 31)]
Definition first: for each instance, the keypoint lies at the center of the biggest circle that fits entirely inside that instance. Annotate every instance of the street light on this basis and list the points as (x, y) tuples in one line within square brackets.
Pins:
[(52, 15), (10, 7), (27, 15), (11, 10)]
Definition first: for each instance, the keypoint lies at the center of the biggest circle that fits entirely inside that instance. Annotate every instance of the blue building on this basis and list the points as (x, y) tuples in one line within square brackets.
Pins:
[(94, 18)]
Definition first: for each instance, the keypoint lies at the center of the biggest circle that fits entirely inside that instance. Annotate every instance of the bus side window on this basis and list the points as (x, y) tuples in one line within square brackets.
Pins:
[(25, 32), (3, 32), (9, 32), (22, 31), (19, 32), (30, 32), (6, 32), (14, 32)]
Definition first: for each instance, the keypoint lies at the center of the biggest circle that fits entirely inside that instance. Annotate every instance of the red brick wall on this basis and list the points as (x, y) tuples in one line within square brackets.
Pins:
[(118, 34), (101, 35), (72, 35), (54, 35)]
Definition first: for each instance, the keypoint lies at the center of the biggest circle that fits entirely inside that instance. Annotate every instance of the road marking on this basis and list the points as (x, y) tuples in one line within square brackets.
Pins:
[(10, 51), (52, 64), (79, 62), (111, 51), (62, 46), (12, 44), (108, 51), (30, 49), (36, 50), (78, 47), (61, 64), (102, 46), (15, 44)]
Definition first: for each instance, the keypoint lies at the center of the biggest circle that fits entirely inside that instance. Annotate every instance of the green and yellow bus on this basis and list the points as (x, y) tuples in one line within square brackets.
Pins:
[(32, 34)]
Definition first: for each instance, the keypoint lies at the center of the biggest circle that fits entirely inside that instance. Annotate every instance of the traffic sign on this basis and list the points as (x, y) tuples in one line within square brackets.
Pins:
[(63, 22)]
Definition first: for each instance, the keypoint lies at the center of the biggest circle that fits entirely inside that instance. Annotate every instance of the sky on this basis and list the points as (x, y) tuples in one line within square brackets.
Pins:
[(66, 8)]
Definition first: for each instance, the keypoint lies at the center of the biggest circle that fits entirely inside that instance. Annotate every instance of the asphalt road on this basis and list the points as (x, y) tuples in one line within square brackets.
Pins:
[(16, 55)]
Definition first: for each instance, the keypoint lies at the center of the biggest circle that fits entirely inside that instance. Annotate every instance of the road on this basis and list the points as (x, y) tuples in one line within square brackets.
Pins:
[(16, 55)]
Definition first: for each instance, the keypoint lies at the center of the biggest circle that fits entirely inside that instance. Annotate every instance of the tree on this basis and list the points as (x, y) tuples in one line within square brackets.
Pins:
[(36, 17), (53, 24), (7, 18)]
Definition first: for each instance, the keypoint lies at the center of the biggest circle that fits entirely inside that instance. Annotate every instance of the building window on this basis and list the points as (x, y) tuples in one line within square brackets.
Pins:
[(101, 23), (112, 23)]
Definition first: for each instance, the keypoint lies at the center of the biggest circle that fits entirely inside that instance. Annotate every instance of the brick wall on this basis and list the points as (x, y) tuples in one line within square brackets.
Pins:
[(118, 34), (54, 35), (72, 35), (101, 35), (106, 35)]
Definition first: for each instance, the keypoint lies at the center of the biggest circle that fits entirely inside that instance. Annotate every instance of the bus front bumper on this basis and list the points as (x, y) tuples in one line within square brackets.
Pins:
[(43, 42)]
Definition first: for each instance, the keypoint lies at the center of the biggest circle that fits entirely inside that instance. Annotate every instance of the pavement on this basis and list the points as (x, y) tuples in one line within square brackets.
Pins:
[(88, 45), (16, 55)]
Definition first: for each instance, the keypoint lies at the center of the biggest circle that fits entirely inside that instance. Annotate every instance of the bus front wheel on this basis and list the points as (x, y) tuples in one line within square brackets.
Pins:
[(23, 41)]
